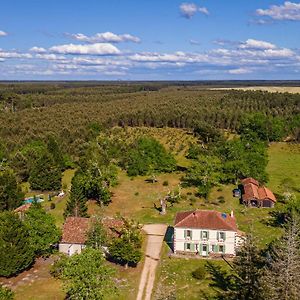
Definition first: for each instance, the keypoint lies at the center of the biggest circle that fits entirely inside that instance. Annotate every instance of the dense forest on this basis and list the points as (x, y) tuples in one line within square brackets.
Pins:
[(73, 111)]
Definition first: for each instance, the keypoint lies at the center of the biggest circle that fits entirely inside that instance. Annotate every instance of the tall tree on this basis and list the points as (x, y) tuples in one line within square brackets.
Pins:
[(282, 276), (97, 235), (42, 229), (16, 251), (76, 205), (11, 195), (45, 174)]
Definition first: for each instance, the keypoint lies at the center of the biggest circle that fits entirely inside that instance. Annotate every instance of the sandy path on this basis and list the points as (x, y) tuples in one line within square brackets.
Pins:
[(155, 234)]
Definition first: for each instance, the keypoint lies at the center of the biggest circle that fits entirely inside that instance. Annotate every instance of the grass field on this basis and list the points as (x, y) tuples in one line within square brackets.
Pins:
[(175, 275), (284, 163), (270, 89)]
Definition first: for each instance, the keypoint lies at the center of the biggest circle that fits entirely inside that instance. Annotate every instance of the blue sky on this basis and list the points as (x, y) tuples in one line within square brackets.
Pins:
[(149, 40)]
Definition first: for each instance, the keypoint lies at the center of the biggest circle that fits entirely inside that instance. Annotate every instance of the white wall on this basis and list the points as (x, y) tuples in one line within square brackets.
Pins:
[(180, 240), (71, 249)]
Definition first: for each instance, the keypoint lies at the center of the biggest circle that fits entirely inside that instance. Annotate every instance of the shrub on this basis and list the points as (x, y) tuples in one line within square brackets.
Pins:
[(221, 199), (6, 294), (199, 273), (52, 205), (166, 183), (136, 193)]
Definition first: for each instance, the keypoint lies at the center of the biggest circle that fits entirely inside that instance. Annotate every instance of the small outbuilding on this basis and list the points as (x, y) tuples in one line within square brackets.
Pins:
[(254, 195)]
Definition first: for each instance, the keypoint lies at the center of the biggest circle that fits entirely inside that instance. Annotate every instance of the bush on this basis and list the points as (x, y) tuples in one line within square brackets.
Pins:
[(221, 199), (136, 193), (6, 294), (52, 205), (199, 273), (165, 183)]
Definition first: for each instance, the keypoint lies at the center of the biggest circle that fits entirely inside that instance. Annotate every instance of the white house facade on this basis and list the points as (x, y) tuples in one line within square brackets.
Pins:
[(206, 233)]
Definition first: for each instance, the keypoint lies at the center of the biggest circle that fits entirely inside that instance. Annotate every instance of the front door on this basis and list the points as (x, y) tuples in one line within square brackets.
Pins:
[(204, 250)]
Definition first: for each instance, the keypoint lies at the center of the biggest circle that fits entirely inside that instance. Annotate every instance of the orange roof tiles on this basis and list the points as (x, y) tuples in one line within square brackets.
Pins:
[(75, 230), (206, 219)]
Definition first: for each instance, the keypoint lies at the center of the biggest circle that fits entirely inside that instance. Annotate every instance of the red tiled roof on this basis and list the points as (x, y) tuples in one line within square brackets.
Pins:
[(253, 191), (75, 230), (23, 207), (250, 180), (206, 219), (250, 192), (265, 193)]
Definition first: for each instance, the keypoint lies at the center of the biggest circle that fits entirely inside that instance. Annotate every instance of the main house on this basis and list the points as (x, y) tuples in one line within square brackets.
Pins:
[(75, 232), (206, 233), (255, 195)]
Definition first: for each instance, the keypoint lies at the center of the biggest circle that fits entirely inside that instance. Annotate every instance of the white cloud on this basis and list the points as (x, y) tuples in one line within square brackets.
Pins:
[(188, 10), (105, 37), (289, 11), (38, 50), (256, 44), (8, 54), (3, 33), (93, 49), (239, 71)]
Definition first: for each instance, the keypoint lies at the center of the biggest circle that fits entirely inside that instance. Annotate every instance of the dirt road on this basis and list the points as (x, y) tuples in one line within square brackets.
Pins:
[(155, 234)]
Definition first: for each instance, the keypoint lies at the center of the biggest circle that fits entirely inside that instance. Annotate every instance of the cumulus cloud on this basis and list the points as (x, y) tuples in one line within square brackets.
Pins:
[(3, 33), (256, 44), (188, 10), (92, 49), (38, 50), (105, 37), (288, 11)]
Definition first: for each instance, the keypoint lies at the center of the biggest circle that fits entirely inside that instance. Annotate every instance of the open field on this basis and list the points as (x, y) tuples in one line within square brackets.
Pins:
[(284, 163), (270, 89)]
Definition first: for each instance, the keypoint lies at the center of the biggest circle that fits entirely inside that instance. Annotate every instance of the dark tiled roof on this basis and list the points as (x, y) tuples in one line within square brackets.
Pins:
[(206, 219)]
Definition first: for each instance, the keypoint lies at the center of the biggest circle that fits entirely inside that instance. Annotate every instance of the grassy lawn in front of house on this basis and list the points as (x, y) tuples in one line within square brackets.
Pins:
[(175, 275)]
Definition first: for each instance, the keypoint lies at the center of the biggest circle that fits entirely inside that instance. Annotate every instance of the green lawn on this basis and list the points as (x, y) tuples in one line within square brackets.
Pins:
[(284, 162), (175, 275)]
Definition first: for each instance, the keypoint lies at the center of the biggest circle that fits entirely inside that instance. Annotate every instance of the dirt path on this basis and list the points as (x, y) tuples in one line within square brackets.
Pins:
[(155, 234)]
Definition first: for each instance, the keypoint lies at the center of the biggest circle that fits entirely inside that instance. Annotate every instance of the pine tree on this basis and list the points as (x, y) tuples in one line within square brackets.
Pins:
[(282, 276), (76, 205), (16, 252), (45, 174), (97, 236), (11, 195)]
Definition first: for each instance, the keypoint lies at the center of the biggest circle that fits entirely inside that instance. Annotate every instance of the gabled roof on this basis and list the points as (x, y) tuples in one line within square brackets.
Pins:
[(265, 193), (75, 230), (205, 219), (23, 207), (250, 180), (252, 190)]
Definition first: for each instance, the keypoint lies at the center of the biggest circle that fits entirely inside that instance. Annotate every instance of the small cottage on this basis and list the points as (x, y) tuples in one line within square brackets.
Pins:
[(254, 195), (74, 236), (75, 232), (206, 233)]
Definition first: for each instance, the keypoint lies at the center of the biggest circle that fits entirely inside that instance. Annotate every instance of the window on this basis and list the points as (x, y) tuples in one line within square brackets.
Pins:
[(188, 247), (222, 236), (221, 248), (204, 235), (213, 248), (189, 234)]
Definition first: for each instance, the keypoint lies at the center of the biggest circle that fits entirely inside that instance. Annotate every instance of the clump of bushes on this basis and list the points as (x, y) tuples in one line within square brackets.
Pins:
[(221, 199), (166, 183), (199, 273)]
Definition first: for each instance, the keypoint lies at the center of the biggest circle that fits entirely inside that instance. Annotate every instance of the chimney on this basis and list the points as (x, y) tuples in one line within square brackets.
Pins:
[(231, 214)]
